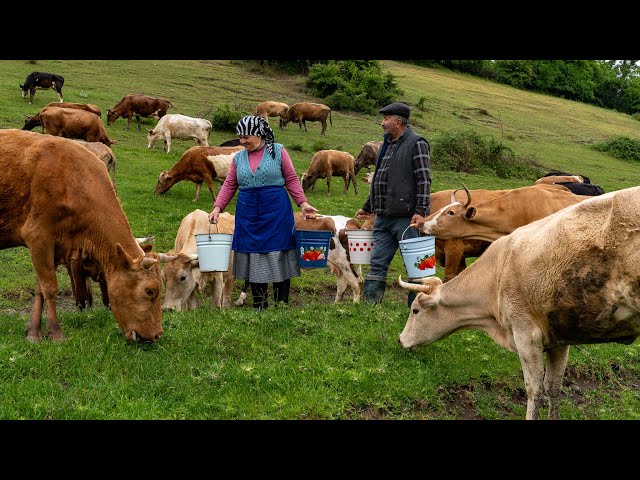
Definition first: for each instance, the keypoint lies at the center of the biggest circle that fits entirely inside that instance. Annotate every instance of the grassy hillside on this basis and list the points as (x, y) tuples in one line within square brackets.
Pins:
[(311, 359)]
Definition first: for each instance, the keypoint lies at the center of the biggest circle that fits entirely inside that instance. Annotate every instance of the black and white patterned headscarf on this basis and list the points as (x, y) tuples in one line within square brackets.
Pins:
[(258, 126)]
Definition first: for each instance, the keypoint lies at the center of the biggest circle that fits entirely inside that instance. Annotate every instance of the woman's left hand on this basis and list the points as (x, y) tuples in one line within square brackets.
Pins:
[(308, 211)]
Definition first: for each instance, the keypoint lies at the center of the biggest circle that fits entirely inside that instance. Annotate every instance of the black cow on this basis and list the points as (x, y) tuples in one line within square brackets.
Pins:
[(231, 143), (583, 188), (41, 80)]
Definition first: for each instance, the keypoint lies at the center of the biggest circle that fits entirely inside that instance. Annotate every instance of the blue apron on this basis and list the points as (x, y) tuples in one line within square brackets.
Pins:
[(264, 220)]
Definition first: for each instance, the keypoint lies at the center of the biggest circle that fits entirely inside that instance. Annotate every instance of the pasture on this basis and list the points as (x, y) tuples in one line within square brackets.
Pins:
[(312, 359)]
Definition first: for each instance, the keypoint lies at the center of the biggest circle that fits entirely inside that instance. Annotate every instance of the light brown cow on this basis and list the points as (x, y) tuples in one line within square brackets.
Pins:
[(367, 156), (567, 279), (58, 198), (560, 178), (197, 166), (105, 154), (494, 218), (182, 127), (314, 112), (89, 107), (327, 164), (138, 105), (181, 274), (272, 109), (74, 123)]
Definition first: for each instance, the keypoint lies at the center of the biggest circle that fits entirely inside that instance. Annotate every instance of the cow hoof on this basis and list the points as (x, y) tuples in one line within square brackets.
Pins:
[(56, 337), (34, 338)]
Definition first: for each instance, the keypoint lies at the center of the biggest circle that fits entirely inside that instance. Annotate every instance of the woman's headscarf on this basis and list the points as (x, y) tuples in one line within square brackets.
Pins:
[(258, 126)]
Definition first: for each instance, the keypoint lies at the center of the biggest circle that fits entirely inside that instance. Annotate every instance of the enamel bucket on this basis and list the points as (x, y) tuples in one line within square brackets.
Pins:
[(313, 247), (360, 245), (214, 250), (419, 255)]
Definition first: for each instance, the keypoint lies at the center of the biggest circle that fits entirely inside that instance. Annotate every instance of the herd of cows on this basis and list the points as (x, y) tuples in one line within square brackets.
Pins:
[(557, 260)]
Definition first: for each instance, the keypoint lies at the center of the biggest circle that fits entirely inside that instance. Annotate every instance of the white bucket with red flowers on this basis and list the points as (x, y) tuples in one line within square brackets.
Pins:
[(419, 255)]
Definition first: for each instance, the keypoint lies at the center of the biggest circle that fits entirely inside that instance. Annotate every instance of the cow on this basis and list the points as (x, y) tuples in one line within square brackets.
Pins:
[(499, 216), (138, 105), (198, 164), (42, 80), (328, 163), (181, 273), (104, 153), (580, 188), (175, 125), (367, 156), (272, 109), (89, 107), (234, 142), (337, 260), (567, 279), (58, 199), (74, 123), (314, 112)]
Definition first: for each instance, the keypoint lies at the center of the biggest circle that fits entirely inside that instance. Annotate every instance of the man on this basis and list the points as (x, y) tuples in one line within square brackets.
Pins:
[(399, 195)]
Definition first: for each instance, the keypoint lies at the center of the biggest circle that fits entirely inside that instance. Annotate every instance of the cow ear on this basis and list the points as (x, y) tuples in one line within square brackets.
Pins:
[(193, 260), (470, 213), (147, 247), (124, 259)]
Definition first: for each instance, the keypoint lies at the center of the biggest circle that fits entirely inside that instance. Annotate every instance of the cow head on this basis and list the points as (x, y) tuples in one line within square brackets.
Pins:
[(450, 220), (181, 276), (308, 180), (152, 137), (134, 292), (164, 182), (31, 122), (425, 323), (111, 116)]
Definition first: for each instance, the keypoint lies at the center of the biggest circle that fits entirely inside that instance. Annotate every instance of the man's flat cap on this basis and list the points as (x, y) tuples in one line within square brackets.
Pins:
[(396, 109)]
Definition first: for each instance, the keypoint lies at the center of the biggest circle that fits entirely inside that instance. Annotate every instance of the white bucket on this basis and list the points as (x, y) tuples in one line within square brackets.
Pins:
[(360, 245), (213, 251), (419, 255)]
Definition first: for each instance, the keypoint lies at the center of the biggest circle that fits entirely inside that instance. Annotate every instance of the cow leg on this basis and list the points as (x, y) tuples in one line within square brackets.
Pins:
[(32, 94), (346, 182), (33, 329), (554, 372), (329, 174), (453, 254), (216, 290), (167, 142), (324, 128), (103, 291), (229, 282), (198, 188), (138, 121), (529, 348), (243, 294), (59, 92), (209, 179), (305, 125), (128, 121)]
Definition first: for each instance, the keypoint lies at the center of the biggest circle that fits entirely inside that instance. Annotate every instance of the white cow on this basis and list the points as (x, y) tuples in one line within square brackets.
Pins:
[(181, 127), (567, 279)]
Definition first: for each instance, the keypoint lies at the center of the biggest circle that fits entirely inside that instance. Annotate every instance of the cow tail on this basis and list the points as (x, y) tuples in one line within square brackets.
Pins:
[(330, 122)]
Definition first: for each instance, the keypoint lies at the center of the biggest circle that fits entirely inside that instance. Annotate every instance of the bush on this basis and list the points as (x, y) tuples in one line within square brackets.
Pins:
[(469, 152), (226, 117), (355, 85), (622, 147)]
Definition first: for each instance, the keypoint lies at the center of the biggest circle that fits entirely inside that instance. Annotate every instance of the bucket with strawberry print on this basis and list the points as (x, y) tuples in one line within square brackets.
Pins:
[(419, 255), (313, 247)]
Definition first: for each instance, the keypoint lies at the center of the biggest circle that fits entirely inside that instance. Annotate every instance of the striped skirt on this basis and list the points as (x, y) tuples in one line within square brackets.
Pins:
[(266, 267)]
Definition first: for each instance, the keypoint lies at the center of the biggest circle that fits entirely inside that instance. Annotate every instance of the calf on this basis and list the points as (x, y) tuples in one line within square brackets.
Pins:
[(272, 109), (41, 80), (198, 164), (181, 127), (181, 274), (367, 156), (314, 112), (328, 163), (138, 105), (74, 123)]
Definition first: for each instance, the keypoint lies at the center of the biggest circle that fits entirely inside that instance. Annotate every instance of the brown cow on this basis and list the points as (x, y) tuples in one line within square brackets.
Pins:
[(195, 166), (314, 112), (327, 164), (368, 155), (138, 105), (57, 201), (272, 109), (89, 107), (74, 123)]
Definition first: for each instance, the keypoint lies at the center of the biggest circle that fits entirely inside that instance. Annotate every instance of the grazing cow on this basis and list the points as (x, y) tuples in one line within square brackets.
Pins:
[(57, 201), (138, 105), (198, 164), (273, 109), (579, 188), (499, 216), (41, 80), (367, 156), (181, 127), (327, 164), (105, 154), (337, 260), (314, 112), (74, 123), (181, 273), (567, 279), (89, 107)]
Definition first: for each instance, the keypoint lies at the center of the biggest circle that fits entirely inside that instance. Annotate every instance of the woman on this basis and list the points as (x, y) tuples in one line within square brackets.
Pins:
[(263, 242)]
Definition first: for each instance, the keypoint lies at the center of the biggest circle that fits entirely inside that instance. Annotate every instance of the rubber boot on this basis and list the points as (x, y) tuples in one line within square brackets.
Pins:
[(374, 290), (410, 298), (281, 291), (259, 293)]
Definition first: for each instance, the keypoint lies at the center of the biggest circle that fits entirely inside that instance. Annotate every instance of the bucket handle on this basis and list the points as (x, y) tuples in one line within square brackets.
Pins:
[(405, 230), (217, 229)]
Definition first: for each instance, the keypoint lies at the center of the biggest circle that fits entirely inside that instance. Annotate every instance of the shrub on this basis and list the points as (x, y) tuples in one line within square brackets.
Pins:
[(622, 147), (469, 152), (226, 117)]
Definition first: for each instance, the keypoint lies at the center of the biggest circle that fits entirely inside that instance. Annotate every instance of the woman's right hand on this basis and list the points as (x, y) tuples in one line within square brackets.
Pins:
[(213, 216)]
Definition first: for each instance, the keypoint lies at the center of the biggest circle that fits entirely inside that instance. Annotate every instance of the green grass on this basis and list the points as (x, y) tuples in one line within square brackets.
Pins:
[(311, 359)]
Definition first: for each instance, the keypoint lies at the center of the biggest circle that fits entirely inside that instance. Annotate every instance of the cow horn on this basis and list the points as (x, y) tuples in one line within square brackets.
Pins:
[(468, 195), (426, 287), (148, 262), (145, 239), (453, 195), (164, 258)]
